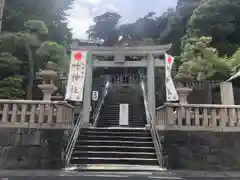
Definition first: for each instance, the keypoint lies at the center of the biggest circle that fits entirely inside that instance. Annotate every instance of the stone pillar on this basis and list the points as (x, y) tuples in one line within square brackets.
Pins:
[(208, 88), (227, 96), (183, 93), (151, 85), (87, 91)]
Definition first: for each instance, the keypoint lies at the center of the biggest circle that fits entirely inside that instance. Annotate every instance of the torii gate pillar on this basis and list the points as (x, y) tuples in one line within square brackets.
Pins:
[(87, 92), (151, 85)]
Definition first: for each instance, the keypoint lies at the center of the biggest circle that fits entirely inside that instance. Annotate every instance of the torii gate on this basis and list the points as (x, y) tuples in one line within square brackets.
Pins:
[(119, 54)]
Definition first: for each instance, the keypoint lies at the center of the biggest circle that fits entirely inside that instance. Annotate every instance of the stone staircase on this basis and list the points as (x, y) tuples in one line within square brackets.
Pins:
[(111, 147), (109, 115)]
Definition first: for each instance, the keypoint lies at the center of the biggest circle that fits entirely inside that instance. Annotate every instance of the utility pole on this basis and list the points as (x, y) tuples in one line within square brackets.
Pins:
[(1, 13)]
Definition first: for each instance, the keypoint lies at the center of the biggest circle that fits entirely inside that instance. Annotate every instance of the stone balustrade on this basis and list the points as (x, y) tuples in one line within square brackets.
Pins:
[(196, 84), (35, 114), (188, 117)]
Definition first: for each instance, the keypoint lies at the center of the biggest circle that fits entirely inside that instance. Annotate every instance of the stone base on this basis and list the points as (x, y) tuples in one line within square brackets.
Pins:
[(147, 126), (24, 149), (201, 150)]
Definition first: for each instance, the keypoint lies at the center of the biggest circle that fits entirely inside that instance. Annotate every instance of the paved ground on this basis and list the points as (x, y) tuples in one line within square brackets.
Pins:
[(168, 175)]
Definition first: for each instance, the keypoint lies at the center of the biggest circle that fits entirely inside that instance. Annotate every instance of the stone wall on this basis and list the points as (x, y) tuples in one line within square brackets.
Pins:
[(201, 150), (31, 149)]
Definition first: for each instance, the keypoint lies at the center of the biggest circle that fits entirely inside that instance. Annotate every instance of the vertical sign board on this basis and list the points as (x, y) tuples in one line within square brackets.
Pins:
[(123, 115), (95, 95), (171, 92), (76, 77)]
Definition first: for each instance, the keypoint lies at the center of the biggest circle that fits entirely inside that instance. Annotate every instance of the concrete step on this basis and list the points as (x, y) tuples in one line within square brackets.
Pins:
[(116, 137), (111, 109), (115, 143), (112, 160), (116, 130), (107, 121), (116, 154), (114, 168), (116, 125), (116, 120), (116, 117), (113, 148)]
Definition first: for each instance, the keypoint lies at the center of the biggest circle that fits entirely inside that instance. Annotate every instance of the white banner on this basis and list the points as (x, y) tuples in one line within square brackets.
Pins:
[(171, 93), (76, 77)]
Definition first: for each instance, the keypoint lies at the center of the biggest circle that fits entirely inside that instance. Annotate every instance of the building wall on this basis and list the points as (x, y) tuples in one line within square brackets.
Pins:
[(201, 150), (24, 149)]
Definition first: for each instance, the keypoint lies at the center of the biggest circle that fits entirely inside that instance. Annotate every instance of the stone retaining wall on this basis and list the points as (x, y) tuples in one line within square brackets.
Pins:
[(24, 149), (202, 150)]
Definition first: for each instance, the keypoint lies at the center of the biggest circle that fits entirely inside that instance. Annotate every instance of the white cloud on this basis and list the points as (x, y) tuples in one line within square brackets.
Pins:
[(82, 13), (111, 7), (80, 20), (92, 2), (79, 27)]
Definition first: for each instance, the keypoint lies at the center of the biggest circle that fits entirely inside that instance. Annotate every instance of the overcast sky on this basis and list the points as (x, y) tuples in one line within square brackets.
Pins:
[(84, 10)]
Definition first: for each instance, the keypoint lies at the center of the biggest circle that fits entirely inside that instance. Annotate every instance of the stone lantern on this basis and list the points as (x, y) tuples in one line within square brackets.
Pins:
[(57, 97), (48, 76), (183, 92)]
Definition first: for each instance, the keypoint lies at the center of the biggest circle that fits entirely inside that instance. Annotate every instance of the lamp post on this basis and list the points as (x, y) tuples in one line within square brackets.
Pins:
[(1, 13)]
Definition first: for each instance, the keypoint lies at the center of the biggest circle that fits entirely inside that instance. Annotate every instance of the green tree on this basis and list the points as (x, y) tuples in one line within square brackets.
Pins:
[(173, 24), (200, 61), (11, 88), (105, 29), (52, 51), (53, 14), (9, 65), (30, 41), (33, 54), (219, 20)]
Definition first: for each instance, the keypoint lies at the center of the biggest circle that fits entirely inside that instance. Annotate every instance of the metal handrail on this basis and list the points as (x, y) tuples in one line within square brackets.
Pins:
[(73, 139), (100, 104), (153, 129)]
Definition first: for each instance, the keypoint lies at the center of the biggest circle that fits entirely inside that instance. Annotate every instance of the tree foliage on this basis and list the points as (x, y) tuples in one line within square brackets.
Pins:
[(200, 61), (53, 14), (11, 88), (28, 26), (105, 29)]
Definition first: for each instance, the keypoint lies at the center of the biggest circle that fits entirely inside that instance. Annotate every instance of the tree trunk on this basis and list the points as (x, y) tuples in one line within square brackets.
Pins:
[(30, 74)]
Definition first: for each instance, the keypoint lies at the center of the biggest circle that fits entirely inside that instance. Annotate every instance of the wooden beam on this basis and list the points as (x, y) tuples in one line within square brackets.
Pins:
[(126, 51), (143, 63)]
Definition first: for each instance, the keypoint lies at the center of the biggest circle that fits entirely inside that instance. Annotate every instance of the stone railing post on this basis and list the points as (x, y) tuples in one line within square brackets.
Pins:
[(227, 98)]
